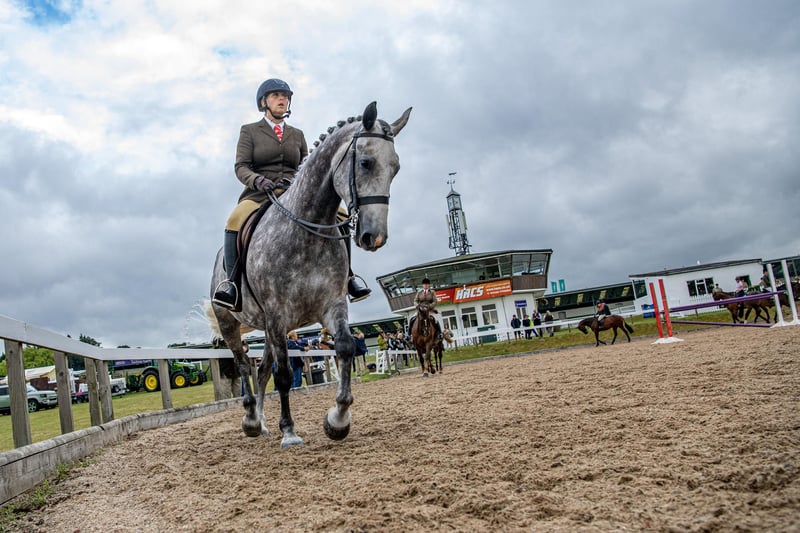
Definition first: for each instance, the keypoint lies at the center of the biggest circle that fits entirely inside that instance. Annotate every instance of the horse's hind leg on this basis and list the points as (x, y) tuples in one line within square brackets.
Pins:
[(615, 335), (229, 328)]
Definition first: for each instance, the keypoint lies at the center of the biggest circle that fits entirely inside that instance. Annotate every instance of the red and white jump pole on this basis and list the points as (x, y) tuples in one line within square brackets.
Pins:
[(665, 306)]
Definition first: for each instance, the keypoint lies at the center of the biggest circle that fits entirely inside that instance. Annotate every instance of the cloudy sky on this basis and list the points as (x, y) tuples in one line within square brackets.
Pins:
[(626, 136)]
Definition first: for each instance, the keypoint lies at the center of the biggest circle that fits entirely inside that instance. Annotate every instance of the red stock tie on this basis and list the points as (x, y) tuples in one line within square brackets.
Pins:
[(278, 131)]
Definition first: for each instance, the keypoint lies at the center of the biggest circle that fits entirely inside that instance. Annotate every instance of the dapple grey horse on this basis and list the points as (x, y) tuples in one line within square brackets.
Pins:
[(297, 265)]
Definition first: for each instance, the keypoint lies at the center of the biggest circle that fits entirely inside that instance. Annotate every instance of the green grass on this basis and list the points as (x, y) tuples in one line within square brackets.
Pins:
[(45, 424)]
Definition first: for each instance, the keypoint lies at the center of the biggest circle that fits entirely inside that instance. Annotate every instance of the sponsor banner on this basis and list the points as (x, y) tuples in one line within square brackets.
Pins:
[(444, 297), (482, 291), (520, 303)]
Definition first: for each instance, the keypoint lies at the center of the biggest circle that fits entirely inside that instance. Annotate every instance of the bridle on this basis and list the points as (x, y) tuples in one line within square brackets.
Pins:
[(423, 316), (356, 201)]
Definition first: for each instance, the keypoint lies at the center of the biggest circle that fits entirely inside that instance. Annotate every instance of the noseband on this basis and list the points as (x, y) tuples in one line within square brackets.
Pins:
[(356, 201)]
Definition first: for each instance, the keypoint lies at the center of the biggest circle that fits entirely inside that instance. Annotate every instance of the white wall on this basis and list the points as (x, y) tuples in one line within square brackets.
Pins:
[(678, 292)]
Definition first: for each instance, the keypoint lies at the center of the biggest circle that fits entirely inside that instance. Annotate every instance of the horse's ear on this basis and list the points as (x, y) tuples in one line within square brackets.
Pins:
[(400, 123), (370, 116)]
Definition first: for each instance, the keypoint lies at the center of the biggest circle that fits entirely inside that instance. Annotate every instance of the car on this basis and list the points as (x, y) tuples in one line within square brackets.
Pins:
[(37, 399)]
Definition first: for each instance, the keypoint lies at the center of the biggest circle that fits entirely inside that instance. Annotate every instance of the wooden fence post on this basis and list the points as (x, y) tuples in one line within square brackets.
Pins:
[(95, 413), (64, 391), (216, 379), (18, 394), (104, 391), (164, 380)]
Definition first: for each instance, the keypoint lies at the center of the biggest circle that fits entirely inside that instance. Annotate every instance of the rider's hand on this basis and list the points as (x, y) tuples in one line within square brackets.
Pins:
[(264, 184)]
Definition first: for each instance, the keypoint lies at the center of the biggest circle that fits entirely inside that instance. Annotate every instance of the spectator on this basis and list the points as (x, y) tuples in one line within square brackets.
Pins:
[(548, 320), (392, 342), (403, 341), (295, 363), (403, 344), (537, 322), (515, 323), (326, 339), (526, 323), (383, 343), (361, 348)]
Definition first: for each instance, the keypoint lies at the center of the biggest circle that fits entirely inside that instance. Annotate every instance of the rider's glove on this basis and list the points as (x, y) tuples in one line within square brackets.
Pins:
[(263, 184)]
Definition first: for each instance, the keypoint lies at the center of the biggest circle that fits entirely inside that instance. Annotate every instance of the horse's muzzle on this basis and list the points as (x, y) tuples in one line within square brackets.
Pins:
[(370, 241)]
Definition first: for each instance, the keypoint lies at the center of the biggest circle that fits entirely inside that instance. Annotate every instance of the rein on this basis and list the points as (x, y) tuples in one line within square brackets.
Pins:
[(355, 201)]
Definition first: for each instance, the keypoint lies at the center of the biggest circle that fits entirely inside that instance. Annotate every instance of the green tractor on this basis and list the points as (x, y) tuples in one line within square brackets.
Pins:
[(181, 374)]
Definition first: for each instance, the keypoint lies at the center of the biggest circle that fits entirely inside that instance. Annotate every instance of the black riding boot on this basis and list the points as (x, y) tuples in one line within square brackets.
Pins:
[(227, 293), (355, 290)]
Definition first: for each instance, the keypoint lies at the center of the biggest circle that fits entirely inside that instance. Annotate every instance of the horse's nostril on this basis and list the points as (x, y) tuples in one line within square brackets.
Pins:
[(367, 240)]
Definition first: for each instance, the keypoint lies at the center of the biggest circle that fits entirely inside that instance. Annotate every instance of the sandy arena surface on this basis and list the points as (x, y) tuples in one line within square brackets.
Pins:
[(702, 435)]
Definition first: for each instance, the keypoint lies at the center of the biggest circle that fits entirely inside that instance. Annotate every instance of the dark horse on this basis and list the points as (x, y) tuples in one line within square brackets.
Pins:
[(297, 262), (611, 321), (765, 304), (423, 335), (438, 348), (733, 308)]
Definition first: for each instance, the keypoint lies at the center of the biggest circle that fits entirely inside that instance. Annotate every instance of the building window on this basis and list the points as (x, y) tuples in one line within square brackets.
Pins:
[(489, 314), (449, 319), (469, 318), (700, 287), (639, 288)]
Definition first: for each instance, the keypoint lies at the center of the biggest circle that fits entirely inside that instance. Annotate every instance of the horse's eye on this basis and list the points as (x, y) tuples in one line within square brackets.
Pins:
[(366, 163)]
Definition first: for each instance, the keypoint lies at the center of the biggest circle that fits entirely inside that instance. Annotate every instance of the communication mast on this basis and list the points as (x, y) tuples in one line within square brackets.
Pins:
[(456, 221)]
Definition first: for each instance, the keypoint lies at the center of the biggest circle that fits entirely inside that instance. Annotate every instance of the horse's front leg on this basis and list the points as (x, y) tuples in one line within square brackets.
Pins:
[(431, 360), (421, 358), (337, 419), (283, 382), (597, 338)]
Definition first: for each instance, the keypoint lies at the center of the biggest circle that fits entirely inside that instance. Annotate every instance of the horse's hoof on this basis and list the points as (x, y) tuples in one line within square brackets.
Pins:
[(336, 430), (250, 428), (424, 374), (291, 440)]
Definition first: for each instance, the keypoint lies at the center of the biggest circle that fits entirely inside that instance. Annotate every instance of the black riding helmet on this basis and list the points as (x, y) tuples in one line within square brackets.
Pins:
[(270, 86)]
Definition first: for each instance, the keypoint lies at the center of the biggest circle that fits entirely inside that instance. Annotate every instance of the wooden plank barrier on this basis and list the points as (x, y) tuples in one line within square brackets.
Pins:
[(31, 463)]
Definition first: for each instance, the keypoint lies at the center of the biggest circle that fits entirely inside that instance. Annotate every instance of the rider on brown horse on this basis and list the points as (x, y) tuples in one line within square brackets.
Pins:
[(602, 312), (426, 296)]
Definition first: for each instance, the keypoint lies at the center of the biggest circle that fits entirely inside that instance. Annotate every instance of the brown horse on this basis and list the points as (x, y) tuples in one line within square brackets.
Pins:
[(438, 348), (733, 308), (765, 304), (423, 335), (614, 322)]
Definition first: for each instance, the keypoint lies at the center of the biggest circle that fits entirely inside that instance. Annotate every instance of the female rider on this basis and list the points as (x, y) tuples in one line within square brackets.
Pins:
[(268, 155)]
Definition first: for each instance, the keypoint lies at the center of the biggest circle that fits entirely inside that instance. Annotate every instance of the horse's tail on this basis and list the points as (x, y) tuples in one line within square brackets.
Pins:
[(627, 326), (212, 321)]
